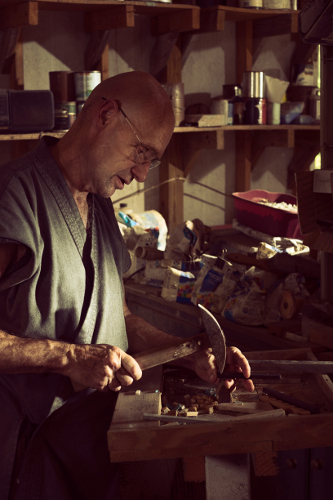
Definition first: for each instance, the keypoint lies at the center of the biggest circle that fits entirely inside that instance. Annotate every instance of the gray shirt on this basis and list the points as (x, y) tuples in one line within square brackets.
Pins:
[(67, 287)]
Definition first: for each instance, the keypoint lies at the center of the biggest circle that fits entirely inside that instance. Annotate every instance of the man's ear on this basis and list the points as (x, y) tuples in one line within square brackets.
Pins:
[(108, 110)]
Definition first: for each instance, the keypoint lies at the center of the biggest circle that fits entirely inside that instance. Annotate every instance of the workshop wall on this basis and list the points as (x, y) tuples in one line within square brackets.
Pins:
[(58, 43)]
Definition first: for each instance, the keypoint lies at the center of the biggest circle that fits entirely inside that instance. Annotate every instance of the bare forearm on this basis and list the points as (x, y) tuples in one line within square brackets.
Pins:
[(27, 355)]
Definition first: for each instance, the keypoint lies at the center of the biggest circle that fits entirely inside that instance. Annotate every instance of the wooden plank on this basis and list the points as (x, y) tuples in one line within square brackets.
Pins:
[(130, 408), (243, 162), (185, 20), (279, 25), (321, 337), (24, 14), (286, 354), (221, 438), (121, 16), (243, 49), (324, 381), (161, 52), (98, 43), (103, 64)]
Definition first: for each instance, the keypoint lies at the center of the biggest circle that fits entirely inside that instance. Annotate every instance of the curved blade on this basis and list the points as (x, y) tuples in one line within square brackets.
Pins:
[(216, 337)]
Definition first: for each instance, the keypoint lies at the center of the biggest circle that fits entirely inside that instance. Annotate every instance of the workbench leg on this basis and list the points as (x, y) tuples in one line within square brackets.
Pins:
[(228, 477)]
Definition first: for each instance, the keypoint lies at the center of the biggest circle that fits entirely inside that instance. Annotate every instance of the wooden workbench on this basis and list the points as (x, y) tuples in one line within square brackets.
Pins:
[(131, 438)]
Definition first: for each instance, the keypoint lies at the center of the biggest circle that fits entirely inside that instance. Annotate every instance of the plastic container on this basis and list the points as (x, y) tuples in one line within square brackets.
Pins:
[(268, 220)]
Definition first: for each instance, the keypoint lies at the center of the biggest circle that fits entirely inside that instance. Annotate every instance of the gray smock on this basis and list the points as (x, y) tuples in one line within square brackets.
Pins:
[(67, 287)]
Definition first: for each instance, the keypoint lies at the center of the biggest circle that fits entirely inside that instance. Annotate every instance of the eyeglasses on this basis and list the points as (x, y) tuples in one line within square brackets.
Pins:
[(141, 158)]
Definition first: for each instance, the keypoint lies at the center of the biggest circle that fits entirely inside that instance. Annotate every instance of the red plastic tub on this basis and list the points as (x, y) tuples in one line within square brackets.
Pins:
[(266, 219)]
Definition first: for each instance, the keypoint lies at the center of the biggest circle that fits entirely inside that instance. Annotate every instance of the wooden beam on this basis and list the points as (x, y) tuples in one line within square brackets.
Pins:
[(278, 25), (243, 161), (243, 49), (161, 52), (211, 20), (103, 65), (185, 20), (23, 14), (121, 16), (98, 42)]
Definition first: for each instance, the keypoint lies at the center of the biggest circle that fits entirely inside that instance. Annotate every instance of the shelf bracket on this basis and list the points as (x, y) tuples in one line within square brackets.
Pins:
[(15, 16), (121, 16), (185, 20)]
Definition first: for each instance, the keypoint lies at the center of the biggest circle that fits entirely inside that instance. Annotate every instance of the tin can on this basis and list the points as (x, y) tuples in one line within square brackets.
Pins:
[(254, 84), (59, 85), (232, 91), (176, 93), (85, 82), (251, 4), (255, 111), (64, 115)]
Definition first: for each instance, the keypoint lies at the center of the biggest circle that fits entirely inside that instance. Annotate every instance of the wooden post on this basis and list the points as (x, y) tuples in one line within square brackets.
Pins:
[(243, 161), (172, 193)]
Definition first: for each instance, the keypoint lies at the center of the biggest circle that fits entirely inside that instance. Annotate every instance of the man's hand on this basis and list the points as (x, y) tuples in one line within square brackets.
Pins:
[(237, 362), (101, 367), (205, 367)]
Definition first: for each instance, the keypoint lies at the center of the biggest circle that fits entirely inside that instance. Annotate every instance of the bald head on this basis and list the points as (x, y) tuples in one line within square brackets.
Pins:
[(141, 96)]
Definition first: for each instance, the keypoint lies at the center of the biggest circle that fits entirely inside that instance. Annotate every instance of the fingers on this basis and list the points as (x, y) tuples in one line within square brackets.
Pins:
[(238, 362), (126, 373)]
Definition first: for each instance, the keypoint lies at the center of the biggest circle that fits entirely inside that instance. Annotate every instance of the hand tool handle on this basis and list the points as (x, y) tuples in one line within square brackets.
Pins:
[(170, 352), (283, 366), (254, 376)]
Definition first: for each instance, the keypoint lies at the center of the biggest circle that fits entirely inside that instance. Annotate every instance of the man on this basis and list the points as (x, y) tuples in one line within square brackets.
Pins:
[(64, 324)]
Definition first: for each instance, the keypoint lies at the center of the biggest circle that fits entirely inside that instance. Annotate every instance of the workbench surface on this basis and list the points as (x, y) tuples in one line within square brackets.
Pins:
[(143, 440)]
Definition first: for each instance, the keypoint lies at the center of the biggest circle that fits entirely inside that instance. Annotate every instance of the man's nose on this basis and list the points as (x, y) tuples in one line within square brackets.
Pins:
[(140, 172)]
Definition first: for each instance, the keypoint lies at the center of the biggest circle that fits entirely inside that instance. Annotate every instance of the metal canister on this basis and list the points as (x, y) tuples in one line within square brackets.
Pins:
[(255, 111), (64, 115), (251, 4), (176, 93), (85, 82), (254, 84), (62, 86)]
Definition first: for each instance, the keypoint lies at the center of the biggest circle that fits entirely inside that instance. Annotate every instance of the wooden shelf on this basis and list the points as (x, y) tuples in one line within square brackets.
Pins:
[(235, 128), (229, 128)]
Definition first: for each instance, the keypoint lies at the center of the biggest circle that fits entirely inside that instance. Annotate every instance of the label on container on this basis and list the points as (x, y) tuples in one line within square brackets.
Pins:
[(85, 82), (254, 4)]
